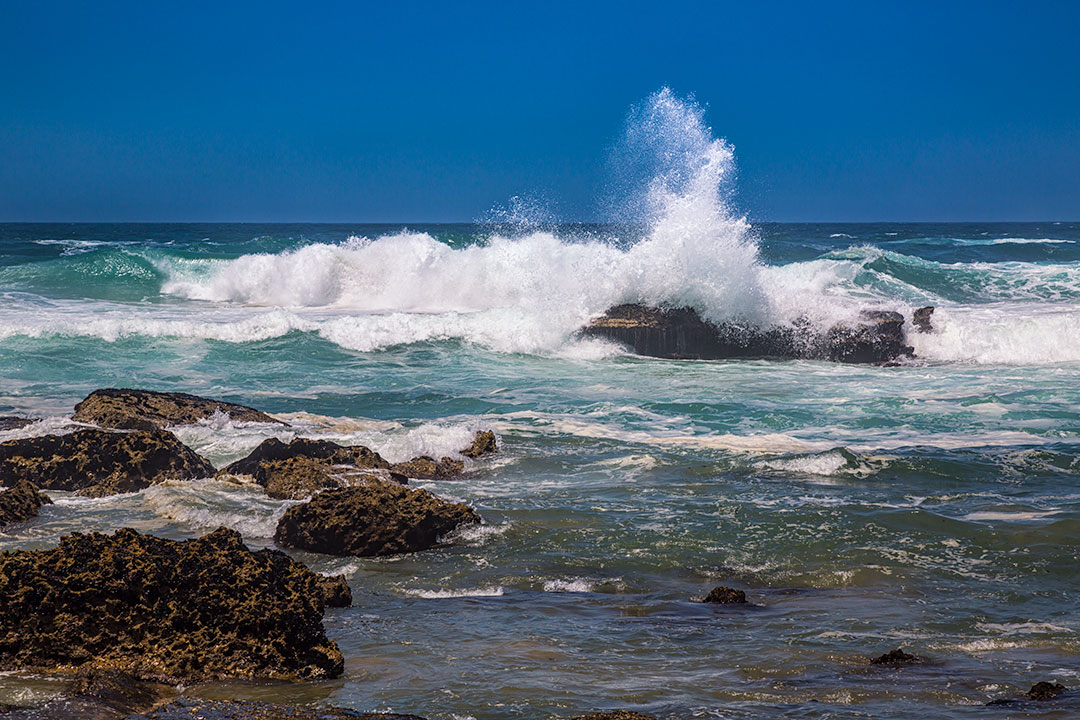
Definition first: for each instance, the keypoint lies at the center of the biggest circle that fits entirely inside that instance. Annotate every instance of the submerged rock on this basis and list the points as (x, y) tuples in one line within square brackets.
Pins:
[(198, 709), (10, 422), (21, 502), (376, 518), (1041, 691), (164, 610), (896, 658), (335, 591), (681, 333), (616, 715), (100, 462), (127, 409), (305, 466), (723, 595)]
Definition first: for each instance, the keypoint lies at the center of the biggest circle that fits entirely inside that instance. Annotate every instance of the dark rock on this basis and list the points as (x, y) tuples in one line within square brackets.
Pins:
[(725, 596), (681, 333), (428, 468), (483, 444), (21, 502), (163, 610), (376, 518), (896, 658), (9, 422), (127, 409), (198, 709), (304, 466), (1045, 691), (921, 319), (100, 462), (118, 690), (616, 715), (335, 590)]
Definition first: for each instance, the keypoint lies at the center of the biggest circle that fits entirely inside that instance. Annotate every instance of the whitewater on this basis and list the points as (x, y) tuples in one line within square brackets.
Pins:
[(931, 505)]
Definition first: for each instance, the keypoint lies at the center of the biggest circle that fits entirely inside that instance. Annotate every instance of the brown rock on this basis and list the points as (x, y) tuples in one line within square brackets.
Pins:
[(1045, 691), (723, 595), (483, 444), (376, 518), (335, 590), (21, 502), (100, 462), (8, 422), (127, 409), (305, 466), (427, 468), (163, 610), (199, 709)]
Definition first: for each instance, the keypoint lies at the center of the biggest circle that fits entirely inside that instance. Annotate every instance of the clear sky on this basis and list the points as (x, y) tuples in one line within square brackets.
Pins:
[(420, 112)]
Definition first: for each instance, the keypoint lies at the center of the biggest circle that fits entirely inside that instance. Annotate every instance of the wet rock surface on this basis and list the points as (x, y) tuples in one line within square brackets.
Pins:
[(1042, 691), (100, 462), (877, 336), (21, 502), (335, 591), (163, 610), (428, 468), (129, 409), (376, 518), (897, 658), (616, 715), (303, 467), (723, 595), (10, 422), (484, 443), (197, 709)]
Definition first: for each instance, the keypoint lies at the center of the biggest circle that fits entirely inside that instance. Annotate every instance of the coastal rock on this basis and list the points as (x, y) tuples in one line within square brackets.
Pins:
[(921, 319), (127, 409), (21, 502), (100, 462), (10, 422), (877, 336), (119, 691), (335, 591), (484, 443), (163, 610), (723, 595), (304, 466), (616, 715), (199, 709), (897, 658), (428, 468), (376, 518), (1042, 691)]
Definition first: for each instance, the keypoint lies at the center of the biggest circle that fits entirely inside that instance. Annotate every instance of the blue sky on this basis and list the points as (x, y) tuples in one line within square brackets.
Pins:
[(422, 112)]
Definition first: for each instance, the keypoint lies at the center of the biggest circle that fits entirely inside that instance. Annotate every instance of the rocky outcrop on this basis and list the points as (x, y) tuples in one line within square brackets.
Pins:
[(127, 409), (199, 709), (483, 443), (616, 715), (876, 336), (1042, 691), (164, 610), (426, 467), (897, 658), (304, 466), (335, 591), (100, 462), (723, 595), (10, 422), (376, 518), (21, 502), (921, 319)]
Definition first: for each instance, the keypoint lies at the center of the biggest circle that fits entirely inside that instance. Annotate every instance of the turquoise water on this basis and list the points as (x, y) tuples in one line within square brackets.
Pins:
[(932, 506)]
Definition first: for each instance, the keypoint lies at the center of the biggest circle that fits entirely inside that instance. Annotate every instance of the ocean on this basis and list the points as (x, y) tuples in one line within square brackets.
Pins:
[(931, 506)]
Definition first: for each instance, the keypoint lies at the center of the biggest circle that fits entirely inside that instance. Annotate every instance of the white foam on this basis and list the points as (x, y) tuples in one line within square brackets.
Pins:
[(493, 591), (577, 585)]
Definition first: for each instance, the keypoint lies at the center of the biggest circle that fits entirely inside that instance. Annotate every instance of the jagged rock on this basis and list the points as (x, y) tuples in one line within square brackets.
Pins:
[(305, 466), (723, 595), (164, 610), (376, 518), (896, 658), (21, 502), (100, 462), (428, 468), (127, 409), (199, 709), (1045, 691), (10, 422), (483, 444), (335, 590), (921, 319), (616, 715), (681, 333)]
